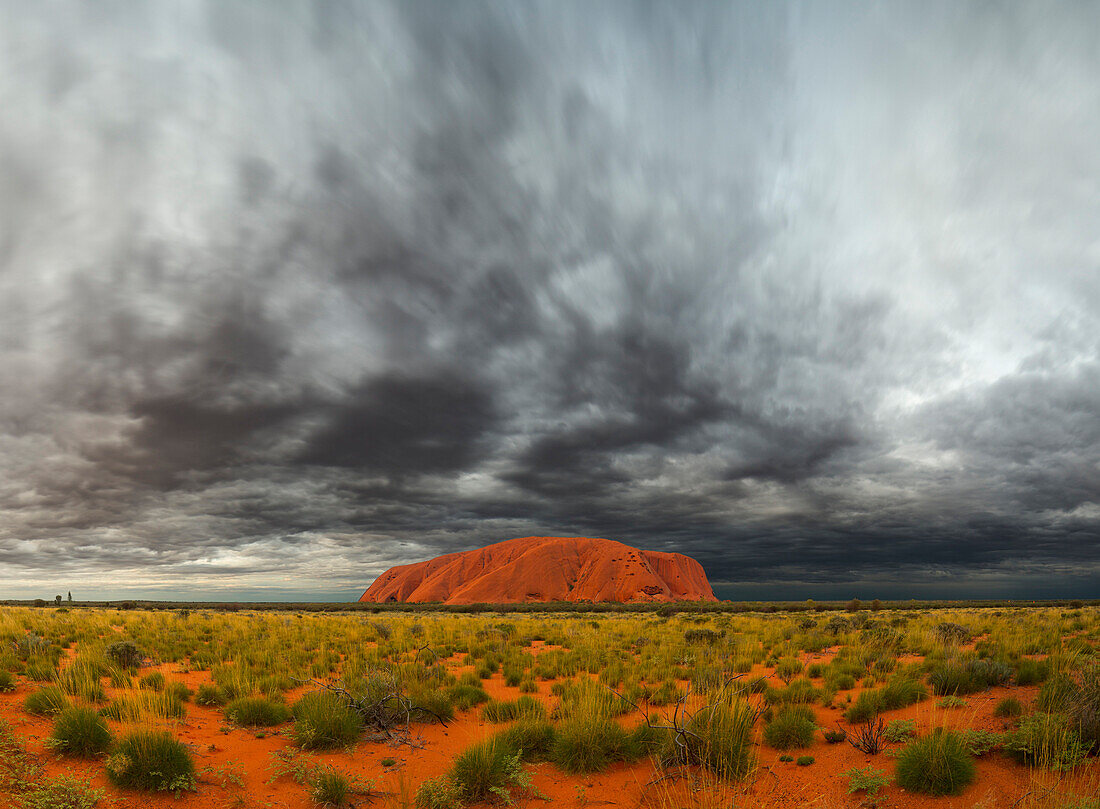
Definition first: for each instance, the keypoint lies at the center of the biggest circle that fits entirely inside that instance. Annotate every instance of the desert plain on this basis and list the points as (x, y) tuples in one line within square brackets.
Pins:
[(575, 709)]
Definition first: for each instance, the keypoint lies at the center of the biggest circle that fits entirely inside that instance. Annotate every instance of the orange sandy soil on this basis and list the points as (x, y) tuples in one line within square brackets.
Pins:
[(246, 754)]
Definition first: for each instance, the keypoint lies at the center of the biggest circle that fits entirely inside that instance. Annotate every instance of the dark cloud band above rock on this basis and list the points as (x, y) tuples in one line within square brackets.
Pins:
[(290, 293)]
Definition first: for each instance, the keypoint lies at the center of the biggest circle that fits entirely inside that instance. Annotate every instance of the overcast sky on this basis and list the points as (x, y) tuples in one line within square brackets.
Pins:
[(293, 292)]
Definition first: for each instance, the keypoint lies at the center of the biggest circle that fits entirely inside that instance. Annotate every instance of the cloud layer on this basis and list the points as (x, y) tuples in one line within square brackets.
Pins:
[(290, 293)]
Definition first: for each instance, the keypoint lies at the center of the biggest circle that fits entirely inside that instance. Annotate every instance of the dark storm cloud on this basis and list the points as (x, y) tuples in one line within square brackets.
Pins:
[(293, 292), (397, 425)]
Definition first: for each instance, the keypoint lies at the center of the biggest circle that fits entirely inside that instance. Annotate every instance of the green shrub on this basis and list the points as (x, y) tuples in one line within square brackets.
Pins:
[(178, 690), (867, 706), (867, 779), (951, 634), (209, 694), (7, 681), (787, 668), (1032, 672), (464, 696), (1008, 707), (41, 671), (1084, 709), (707, 636), (257, 712), (438, 793), (589, 744), (804, 761), (900, 730), (62, 792), (980, 742), (834, 736), (135, 706), (902, 692), (80, 732), (952, 702), (152, 760), (937, 764), (154, 681), (329, 787), (433, 705), (792, 727), (46, 701), (532, 738), (953, 678), (666, 694), (487, 771), (323, 721), (967, 676), (719, 738), (495, 711), (124, 654), (1045, 740), (1055, 694)]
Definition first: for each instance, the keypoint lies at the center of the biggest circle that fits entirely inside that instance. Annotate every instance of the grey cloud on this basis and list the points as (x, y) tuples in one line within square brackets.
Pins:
[(806, 291)]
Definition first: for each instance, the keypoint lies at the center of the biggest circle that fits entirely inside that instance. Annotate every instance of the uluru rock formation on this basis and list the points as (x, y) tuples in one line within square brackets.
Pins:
[(545, 569)]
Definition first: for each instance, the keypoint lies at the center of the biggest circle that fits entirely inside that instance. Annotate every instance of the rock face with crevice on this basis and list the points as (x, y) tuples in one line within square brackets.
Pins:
[(533, 569)]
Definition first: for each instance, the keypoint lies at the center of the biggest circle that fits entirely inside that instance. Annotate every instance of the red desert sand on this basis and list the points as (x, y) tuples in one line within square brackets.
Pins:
[(545, 569)]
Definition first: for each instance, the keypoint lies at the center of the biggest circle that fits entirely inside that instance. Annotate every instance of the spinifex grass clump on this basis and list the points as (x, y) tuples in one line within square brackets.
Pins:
[(7, 682), (257, 712), (488, 770), (1084, 708), (530, 707), (1032, 672), (867, 706), (792, 727), (46, 701), (718, 737), (938, 764), (210, 694), (80, 732), (464, 696), (152, 760), (901, 692), (1046, 741), (154, 681), (323, 721), (967, 676), (533, 739), (587, 697), (590, 743), (141, 705)]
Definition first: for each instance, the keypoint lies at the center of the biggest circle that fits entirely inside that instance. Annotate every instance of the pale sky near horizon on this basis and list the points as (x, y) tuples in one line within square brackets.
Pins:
[(291, 292)]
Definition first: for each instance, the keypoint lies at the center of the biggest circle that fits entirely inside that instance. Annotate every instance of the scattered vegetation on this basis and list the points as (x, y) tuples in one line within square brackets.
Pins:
[(257, 712), (700, 689), (152, 760), (80, 732), (866, 779), (792, 727), (937, 764), (323, 721)]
